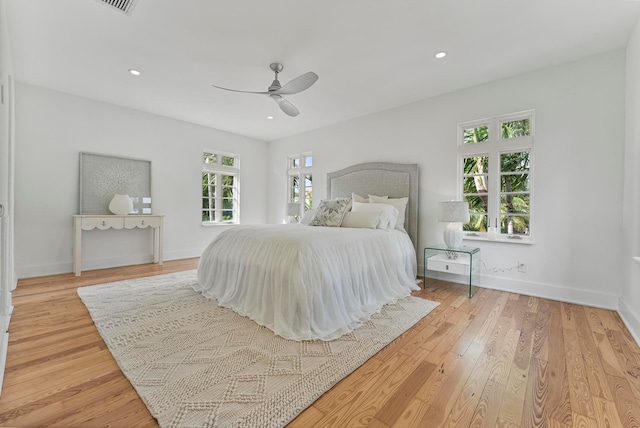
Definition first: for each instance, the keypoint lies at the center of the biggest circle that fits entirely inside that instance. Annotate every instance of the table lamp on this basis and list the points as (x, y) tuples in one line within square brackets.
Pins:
[(293, 210), (455, 213)]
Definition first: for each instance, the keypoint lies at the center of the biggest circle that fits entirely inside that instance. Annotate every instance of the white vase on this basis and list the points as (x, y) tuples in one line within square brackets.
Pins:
[(121, 205)]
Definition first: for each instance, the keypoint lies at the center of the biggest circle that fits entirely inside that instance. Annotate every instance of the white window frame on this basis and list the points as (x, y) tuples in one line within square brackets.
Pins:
[(301, 172), (219, 169), (493, 148)]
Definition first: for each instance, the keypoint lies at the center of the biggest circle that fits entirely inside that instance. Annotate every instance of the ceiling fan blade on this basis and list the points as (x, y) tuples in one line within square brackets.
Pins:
[(298, 84), (246, 92), (286, 106)]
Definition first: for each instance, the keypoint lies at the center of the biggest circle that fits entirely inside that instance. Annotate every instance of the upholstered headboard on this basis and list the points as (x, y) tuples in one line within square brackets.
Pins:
[(383, 179)]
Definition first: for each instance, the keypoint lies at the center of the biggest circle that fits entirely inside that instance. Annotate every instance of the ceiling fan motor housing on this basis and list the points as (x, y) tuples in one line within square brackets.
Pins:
[(275, 85), (276, 67)]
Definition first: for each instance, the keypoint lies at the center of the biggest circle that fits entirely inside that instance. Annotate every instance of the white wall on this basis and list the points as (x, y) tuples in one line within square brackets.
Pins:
[(52, 128), (7, 274), (630, 293), (579, 147)]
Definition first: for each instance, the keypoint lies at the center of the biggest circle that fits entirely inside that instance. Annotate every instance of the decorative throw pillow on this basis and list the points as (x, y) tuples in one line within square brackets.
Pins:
[(362, 219), (330, 212), (399, 203), (388, 213)]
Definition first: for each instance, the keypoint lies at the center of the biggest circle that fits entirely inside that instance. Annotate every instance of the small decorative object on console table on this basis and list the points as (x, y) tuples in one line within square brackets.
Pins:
[(121, 205), (455, 213), (466, 262)]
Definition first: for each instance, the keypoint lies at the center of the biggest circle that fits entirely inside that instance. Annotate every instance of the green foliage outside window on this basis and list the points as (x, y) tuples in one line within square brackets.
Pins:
[(514, 185), (209, 158), (476, 192), (227, 186), (208, 196), (514, 193), (516, 128)]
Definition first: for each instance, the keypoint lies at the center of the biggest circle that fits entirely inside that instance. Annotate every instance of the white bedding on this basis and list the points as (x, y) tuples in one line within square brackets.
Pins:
[(306, 282)]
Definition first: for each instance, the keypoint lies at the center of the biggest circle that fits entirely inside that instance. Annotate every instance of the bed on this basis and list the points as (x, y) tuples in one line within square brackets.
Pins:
[(318, 283)]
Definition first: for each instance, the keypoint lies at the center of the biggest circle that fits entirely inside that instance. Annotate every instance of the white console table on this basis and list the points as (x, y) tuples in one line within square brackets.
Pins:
[(107, 221)]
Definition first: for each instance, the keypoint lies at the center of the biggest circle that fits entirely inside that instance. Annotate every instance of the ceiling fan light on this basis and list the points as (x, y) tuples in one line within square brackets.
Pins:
[(440, 54), (134, 72)]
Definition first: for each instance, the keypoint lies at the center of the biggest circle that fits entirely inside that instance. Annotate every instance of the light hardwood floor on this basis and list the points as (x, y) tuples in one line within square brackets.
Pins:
[(498, 359)]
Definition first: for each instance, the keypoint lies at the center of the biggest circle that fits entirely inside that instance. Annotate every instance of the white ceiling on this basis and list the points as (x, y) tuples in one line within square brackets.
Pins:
[(371, 55)]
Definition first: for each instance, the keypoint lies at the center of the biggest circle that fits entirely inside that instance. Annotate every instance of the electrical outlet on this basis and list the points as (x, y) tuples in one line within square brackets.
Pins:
[(522, 266)]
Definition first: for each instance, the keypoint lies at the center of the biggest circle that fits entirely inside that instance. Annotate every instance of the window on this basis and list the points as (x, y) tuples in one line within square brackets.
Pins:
[(220, 173), (300, 181), (496, 172)]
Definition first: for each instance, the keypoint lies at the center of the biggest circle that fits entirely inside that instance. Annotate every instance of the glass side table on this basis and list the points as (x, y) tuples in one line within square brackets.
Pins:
[(460, 261)]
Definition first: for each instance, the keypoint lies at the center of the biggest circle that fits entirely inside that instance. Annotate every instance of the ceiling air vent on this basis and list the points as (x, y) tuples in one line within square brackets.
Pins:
[(124, 6)]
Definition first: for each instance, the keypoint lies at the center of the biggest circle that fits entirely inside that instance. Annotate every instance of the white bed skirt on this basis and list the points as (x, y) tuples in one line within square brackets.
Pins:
[(305, 282)]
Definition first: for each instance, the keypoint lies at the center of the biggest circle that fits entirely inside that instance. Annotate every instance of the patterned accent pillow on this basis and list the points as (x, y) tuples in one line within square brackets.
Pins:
[(330, 212)]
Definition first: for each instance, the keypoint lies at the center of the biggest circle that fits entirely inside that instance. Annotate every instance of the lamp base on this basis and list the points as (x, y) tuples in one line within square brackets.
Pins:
[(453, 235)]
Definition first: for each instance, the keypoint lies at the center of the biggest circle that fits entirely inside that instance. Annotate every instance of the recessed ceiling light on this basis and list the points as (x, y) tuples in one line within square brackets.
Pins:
[(441, 54), (270, 117), (134, 72)]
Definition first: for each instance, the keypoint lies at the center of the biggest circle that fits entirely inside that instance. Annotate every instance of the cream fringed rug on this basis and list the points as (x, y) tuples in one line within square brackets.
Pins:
[(196, 364)]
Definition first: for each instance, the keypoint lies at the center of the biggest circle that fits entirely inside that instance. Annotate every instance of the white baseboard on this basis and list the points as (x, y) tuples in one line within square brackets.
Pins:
[(92, 264), (183, 254), (630, 319), (553, 292), (546, 291), (43, 270)]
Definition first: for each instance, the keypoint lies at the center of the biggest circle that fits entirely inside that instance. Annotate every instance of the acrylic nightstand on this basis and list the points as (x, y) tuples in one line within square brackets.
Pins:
[(460, 261)]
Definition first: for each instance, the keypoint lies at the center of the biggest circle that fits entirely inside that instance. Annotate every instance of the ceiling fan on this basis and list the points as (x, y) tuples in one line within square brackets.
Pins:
[(276, 91)]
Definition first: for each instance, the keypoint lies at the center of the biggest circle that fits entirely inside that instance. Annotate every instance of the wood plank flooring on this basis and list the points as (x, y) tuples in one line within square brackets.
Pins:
[(498, 359)]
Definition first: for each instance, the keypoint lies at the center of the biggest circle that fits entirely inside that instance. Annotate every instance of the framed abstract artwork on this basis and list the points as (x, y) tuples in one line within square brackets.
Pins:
[(102, 177)]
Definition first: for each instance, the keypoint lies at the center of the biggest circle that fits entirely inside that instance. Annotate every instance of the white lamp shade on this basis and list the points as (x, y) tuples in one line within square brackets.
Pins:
[(453, 212), (293, 208)]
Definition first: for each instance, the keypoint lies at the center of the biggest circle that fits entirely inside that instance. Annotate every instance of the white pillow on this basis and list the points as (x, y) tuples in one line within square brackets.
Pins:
[(388, 216), (377, 197), (308, 216), (399, 203), (330, 212), (357, 198), (362, 219)]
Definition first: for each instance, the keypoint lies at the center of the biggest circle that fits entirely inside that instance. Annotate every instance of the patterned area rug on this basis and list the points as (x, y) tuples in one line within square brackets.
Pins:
[(196, 364)]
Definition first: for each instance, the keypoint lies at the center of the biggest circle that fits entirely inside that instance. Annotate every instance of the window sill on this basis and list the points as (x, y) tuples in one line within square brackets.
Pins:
[(215, 224), (501, 240)]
